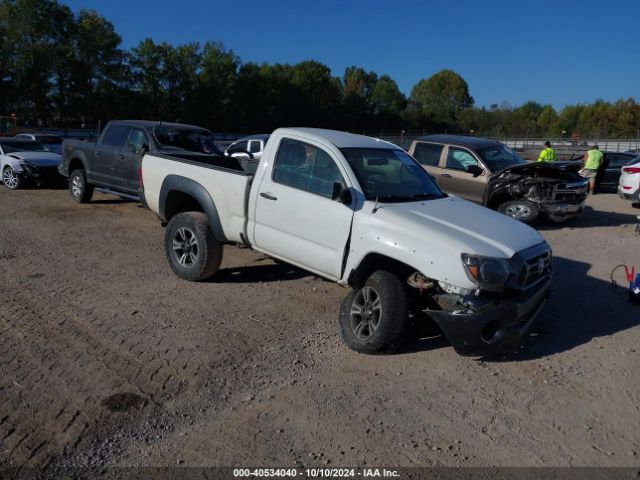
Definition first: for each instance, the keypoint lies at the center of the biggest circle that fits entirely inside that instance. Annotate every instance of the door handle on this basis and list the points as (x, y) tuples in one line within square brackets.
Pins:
[(97, 154), (268, 196), (121, 157), (445, 175)]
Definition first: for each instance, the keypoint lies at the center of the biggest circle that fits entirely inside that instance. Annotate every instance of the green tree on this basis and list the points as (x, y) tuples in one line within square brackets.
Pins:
[(388, 103), (90, 70), (38, 34), (214, 100), (437, 101), (547, 122), (166, 78), (317, 92)]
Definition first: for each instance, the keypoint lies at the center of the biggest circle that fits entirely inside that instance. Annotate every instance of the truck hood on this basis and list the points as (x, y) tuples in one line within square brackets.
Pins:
[(39, 159), (542, 168), (458, 226)]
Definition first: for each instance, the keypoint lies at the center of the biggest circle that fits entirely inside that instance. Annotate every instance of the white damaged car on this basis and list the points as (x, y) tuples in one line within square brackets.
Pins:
[(23, 161)]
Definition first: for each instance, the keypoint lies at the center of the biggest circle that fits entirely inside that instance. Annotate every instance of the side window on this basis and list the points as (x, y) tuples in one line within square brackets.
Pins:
[(238, 147), (116, 135), (305, 167), (617, 160), (428, 153), (459, 159), (136, 139), (254, 146)]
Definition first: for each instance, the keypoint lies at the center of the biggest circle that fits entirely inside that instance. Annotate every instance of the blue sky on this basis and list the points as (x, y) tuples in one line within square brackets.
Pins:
[(554, 52)]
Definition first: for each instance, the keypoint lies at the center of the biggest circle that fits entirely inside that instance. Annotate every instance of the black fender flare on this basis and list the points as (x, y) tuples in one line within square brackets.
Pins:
[(75, 156), (200, 194)]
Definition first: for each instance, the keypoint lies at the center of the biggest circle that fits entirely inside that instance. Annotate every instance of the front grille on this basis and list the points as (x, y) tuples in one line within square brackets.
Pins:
[(533, 265), (570, 197), (570, 191), (42, 171), (534, 269)]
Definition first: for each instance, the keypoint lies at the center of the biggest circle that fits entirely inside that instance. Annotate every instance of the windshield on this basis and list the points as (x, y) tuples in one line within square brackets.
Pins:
[(390, 175), (499, 157), (12, 147), (193, 140)]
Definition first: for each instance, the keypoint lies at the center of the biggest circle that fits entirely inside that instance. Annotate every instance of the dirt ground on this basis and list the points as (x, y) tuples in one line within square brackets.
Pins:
[(107, 358)]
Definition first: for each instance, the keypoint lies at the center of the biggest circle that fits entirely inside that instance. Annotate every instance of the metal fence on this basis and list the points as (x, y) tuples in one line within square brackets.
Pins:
[(526, 144)]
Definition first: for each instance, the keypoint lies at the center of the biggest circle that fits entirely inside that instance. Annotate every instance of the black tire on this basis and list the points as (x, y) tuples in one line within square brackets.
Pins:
[(192, 251), (11, 179), (80, 190), (521, 210), (371, 332)]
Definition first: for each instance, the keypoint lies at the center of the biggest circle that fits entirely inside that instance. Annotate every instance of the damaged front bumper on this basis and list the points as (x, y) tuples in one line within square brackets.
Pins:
[(41, 175), (493, 328), (559, 212)]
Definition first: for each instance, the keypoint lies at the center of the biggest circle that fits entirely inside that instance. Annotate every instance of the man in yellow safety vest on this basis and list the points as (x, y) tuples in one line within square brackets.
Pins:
[(547, 155), (592, 163)]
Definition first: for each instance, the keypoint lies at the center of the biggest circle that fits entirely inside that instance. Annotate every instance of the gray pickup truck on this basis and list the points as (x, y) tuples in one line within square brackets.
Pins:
[(112, 164)]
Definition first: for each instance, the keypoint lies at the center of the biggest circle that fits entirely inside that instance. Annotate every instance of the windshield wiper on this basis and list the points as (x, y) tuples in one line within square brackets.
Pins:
[(404, 198), (426, 196)]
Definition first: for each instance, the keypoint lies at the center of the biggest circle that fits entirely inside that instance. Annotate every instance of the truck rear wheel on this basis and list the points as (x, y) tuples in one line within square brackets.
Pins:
[(521, 210), (192, 251), (373, 318), (80, 191)]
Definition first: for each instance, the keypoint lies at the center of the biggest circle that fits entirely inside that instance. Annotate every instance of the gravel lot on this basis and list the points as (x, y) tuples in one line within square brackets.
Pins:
[(107, 358)]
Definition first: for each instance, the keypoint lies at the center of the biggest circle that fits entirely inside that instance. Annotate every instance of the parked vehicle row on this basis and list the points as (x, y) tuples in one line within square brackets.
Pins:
[(355, 210)]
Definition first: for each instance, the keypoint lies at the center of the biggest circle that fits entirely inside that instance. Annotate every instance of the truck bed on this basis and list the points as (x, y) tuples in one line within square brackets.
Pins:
[(225, 163), (222, 177)]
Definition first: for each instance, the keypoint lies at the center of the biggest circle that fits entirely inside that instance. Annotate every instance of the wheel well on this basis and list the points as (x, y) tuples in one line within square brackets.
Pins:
[(375, 261), (498, 200), (179, 202), (75, 164)]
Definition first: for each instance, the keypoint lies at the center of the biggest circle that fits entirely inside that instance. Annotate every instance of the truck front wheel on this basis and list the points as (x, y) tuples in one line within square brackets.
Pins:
[(521, 210), (192, 251), (80, 191), (373, 318)]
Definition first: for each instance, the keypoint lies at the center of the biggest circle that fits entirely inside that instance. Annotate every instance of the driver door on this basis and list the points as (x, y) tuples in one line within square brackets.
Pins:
[(296, 218), (455, 179)]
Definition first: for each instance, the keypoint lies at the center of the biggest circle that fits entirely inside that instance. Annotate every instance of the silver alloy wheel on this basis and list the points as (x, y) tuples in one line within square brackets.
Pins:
[(366, 310), (9, 178), (518, 211), (185, 247), (76, 186)]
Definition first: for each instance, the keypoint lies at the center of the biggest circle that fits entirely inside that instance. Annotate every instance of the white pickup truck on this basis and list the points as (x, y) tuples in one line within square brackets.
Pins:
[(363, 213)]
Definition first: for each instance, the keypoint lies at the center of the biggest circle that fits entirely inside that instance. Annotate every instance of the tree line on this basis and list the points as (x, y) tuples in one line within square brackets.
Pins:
[(66, 69)]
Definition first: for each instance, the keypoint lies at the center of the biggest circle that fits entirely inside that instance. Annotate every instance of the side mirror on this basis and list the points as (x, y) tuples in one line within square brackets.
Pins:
[(474, 170), (341, 193), (144, 149)]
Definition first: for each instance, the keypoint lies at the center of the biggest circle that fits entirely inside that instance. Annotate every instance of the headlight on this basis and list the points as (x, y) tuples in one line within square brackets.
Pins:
[(489, 273)]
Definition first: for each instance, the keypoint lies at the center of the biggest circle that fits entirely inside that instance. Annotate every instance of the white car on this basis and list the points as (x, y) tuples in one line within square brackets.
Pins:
[(23, 160), (629, 184)]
